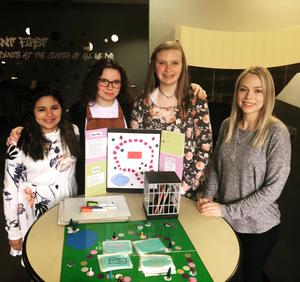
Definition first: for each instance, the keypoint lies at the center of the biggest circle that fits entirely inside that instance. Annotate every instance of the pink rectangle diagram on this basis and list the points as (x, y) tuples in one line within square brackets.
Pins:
[(134, 155)]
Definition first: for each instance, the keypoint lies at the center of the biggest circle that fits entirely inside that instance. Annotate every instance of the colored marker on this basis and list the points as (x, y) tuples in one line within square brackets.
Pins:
[(92, 209)]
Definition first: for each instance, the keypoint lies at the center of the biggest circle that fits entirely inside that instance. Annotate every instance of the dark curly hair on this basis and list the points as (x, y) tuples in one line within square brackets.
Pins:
[(32, 140), (89, 89)]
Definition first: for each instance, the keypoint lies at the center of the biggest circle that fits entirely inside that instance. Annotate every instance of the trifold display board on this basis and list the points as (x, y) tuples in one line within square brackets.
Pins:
[(117, 159)]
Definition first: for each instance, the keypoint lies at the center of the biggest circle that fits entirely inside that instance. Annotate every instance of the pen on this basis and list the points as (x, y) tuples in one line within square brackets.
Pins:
[(92, 209), (106, 205), (106, 202), (100, 204)]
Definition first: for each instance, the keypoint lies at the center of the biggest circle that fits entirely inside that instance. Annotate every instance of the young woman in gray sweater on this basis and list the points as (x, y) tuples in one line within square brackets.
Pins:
[(248, 171)]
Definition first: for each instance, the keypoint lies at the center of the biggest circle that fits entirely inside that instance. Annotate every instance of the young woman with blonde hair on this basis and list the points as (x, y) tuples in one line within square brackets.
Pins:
[(248, 171)]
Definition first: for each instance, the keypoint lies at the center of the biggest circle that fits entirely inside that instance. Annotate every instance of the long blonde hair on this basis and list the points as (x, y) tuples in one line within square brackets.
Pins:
[(183, 85), (266, 113)]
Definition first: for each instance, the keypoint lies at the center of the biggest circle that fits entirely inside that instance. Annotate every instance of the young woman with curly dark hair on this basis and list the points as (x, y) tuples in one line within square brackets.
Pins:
[(104, 103)]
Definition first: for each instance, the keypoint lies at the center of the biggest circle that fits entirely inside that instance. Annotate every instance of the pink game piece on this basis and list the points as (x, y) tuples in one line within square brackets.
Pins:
[(93, 252)]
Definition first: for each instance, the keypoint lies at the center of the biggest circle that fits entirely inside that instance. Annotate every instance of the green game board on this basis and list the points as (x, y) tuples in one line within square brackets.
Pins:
[(78, 246)]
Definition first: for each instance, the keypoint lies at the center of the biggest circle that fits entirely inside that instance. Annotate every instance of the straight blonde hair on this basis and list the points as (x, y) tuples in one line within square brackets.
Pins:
[(266, 117)]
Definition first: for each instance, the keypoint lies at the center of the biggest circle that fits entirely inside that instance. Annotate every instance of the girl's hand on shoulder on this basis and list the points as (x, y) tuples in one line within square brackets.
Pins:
[(209, 208), (14, 136), (198, 91), (16, 244)]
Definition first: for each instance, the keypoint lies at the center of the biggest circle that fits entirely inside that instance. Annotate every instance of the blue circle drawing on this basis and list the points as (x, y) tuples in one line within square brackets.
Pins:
[(120, 179)]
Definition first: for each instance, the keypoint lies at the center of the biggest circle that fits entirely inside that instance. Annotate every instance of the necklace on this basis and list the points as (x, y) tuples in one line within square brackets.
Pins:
[(168, 97), (239, 141)]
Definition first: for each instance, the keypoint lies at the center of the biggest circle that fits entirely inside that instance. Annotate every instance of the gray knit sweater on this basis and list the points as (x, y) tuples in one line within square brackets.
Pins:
[(247, 181)]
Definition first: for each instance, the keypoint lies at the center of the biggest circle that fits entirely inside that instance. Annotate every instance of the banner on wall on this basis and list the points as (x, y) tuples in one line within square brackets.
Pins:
[(34, 48)]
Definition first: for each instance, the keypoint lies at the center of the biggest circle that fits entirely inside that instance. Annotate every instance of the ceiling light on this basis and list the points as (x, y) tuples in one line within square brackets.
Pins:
[(89, 47), (114, 38), (14, 77), (27, 30)]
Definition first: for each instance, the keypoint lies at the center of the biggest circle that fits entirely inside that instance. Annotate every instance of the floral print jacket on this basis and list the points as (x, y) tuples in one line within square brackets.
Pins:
[(32, 187), (196, 127)]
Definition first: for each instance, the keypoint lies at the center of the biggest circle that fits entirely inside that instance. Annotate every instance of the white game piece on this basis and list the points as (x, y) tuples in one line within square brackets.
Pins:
[(90, 273)]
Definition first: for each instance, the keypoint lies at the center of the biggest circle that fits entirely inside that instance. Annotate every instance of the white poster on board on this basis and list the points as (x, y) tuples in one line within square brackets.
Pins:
[(131, 153)]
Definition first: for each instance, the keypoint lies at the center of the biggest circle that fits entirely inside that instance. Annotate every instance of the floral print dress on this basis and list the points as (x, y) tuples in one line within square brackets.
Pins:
[(196, 127), (32, 187)]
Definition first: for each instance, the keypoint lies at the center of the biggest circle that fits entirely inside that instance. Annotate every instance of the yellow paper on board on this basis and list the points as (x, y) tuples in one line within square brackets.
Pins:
[(172, 143), (95, 179)]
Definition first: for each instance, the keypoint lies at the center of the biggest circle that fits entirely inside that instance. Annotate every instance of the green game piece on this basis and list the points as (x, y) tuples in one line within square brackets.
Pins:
[(169, 273), (74, 225), (170, 244), (193, 271), (110, 276), (70, 263)]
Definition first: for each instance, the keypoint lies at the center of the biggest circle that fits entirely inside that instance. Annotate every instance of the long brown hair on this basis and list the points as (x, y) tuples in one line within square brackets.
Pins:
[(33, 141), (183, 84)]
